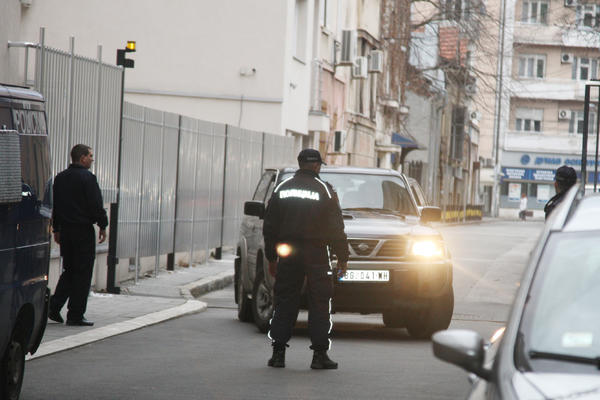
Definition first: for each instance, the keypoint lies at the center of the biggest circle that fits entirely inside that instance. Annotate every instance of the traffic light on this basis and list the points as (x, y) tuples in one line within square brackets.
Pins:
[(121, 60)]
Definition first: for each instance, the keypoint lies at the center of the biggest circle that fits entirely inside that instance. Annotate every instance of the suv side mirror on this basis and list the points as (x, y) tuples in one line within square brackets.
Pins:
[(431, 214), (255, 208)]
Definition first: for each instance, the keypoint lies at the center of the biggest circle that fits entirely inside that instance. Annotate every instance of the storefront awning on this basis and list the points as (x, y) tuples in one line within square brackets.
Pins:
[(406, 142)]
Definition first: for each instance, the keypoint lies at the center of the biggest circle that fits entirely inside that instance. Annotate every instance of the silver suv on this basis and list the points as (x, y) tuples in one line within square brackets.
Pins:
[(399, 266)]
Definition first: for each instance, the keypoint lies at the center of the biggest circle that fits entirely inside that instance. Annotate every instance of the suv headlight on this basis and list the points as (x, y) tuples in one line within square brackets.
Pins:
[(427, 248)]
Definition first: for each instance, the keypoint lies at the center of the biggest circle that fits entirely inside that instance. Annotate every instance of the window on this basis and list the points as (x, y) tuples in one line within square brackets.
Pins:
[(532, 66), (528, 120), (576, 122), (452, 10), (323, 13), (300, 29), (535, 12), (263, 186), (587, 15), (584, 68)]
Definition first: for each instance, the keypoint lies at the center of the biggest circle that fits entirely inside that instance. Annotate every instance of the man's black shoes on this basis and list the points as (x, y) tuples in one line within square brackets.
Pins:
[(81, 322), (322, 361), (55, 316), (278, 358)]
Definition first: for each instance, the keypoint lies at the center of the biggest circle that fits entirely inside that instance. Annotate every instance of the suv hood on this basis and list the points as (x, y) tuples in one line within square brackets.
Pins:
[(374, 224)]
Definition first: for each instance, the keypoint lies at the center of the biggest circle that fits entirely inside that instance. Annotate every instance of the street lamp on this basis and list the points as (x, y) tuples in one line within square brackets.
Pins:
[(111, 261)]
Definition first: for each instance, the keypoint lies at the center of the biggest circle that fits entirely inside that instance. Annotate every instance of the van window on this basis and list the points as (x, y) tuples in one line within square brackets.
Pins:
[(5, 121), (35, 168)]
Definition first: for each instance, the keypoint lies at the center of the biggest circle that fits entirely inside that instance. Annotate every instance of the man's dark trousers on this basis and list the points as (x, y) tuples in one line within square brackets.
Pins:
[(78, 249), (312, 262)]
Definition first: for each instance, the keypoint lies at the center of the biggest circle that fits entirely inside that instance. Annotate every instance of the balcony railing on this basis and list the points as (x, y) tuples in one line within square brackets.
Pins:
[(316, 92)]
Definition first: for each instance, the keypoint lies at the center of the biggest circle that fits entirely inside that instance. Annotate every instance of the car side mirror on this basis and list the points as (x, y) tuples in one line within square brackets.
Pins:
[(463, 348), (431, 214), (255, 208)]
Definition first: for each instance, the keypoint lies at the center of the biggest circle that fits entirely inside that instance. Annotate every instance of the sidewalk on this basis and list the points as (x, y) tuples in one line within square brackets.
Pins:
[(151, 301)]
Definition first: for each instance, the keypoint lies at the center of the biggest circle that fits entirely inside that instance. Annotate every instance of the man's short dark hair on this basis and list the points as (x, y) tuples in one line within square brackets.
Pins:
[(307, 165), (78, 151)]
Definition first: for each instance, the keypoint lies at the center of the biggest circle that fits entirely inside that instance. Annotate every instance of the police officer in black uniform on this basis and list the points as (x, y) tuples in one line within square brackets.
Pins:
[(302, 222), (77, 206), (564, 179)]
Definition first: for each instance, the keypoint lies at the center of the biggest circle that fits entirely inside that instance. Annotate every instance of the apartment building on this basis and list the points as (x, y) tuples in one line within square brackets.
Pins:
[(555, 50)]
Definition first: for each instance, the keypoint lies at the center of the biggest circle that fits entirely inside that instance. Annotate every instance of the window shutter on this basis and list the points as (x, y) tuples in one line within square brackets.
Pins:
[(525, 12), (594, 68), (574, 69), (572, 122)]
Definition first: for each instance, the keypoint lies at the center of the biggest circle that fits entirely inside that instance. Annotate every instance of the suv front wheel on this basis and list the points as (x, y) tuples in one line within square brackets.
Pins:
[(262, 303), (436, 316)]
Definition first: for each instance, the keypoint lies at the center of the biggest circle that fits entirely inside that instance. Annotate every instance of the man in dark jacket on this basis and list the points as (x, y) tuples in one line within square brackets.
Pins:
[(77, 206), (564, 179), (303, 219)]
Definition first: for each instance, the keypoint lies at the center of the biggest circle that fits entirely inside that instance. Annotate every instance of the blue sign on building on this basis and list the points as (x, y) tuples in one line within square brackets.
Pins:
[(527, 174)]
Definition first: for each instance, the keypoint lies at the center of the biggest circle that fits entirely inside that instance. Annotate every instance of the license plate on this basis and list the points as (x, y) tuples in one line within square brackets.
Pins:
[(362, 275)]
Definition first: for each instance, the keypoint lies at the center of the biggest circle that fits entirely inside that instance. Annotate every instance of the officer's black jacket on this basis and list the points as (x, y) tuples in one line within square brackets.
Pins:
[(304, 208), (77, 199)]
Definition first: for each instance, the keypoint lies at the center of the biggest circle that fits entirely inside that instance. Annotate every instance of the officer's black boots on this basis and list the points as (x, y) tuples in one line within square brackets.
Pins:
[(278, 358), (322, 361)]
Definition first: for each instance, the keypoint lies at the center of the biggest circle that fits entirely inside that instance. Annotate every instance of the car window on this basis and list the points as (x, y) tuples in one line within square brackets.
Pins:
[(563, 312), (263, 186), (371, 191)]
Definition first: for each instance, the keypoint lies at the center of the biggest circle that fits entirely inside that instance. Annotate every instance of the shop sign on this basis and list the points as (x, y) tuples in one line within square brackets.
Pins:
[(528, 174), (514, 191)]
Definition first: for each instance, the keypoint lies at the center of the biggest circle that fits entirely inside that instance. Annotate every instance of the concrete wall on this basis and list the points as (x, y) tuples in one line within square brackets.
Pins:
[(189, 53)]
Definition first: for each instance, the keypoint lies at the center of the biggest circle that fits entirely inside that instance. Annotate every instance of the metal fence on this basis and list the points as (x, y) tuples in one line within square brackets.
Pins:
[(83, 98), (182, 180)]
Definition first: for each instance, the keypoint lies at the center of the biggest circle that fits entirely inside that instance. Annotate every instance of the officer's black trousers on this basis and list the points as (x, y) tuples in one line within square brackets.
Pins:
[(311, 262), (78, 249)]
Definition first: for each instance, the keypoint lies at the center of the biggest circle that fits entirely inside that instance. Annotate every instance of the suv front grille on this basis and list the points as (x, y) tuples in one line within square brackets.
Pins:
[(362, 247), (375, 248), (393, 249)]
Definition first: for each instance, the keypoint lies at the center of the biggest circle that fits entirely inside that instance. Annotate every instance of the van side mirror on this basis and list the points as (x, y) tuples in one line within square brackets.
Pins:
[(254, 208), (431, 214)]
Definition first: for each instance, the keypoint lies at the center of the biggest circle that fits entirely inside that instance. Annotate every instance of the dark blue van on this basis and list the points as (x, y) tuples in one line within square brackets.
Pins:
[(25, 212)]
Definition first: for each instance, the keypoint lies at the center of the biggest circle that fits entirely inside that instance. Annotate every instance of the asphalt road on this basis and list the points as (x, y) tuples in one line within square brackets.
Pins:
[(213, 356)]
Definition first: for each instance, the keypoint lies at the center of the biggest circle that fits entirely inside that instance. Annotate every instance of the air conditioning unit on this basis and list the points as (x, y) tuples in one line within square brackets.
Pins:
[(475, 115), (566, 58), (339, 142), (376, 61), (564, 114), (570, 3), (348, 55), (360, 70)]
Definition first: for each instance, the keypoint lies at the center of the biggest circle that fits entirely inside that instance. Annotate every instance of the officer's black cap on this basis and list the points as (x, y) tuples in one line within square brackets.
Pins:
[(566, 174), (310, 155)]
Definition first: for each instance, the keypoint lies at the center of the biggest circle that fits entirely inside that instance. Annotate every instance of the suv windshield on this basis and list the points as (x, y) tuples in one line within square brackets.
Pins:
[(562, 316), (371, 191)]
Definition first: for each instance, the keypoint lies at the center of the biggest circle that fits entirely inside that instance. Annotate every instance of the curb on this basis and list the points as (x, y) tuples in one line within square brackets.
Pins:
[(205, 285), (94, 335)]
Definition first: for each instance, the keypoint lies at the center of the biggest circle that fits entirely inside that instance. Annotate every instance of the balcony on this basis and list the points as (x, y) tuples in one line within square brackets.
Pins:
[(555, 89), (551, 35), (562, 143), (318, 120)]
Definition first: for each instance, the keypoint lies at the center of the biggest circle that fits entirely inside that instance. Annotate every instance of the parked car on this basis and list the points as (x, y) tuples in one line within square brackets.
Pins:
[(550, 348), (398, 266), (25, 211)]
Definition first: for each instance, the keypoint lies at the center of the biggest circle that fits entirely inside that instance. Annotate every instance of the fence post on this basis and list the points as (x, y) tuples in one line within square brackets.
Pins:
[(160, 194), (194, 199), (139, 230), (210, 183), (40, 63), (70, 94), (219, 250), (98, 101), (171, 255)]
